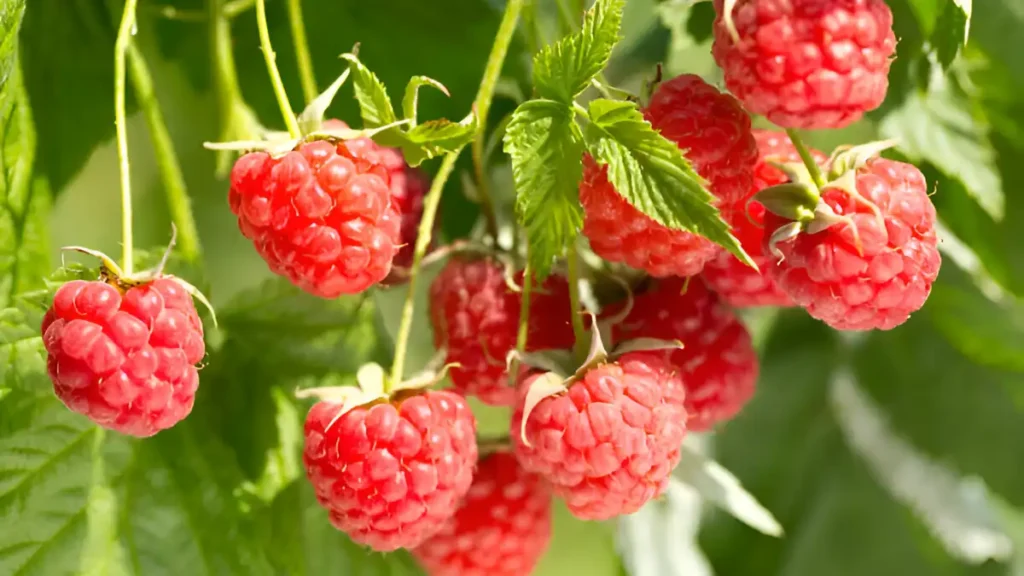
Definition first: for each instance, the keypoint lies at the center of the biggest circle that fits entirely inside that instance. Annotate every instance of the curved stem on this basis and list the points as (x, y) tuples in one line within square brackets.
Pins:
[(306, 75), (275, 75), (430, 204), (807, 158), (433, 199), (484, 97), (580, 347), (524, 307), (225, 78), (178, 201), (124, 36)]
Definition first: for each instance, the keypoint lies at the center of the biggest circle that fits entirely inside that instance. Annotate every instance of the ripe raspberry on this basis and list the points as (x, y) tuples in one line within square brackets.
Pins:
[(714, 131), (502, 528), (875, 271), (322, 215), (408, 187), (476, 316), (391, 474), (608, 445), (737, 283), (807, 63), (718, 364), (126, 361)]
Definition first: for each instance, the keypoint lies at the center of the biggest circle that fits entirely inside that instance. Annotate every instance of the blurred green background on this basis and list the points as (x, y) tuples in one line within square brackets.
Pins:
[(886, 454)]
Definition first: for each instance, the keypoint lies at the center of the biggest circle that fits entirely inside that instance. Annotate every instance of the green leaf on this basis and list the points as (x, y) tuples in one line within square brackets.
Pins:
[(374, 103), (937, 127), (433, 138), (24, 202), (561, 71), (951, 30), (546, 150), (652, 174), (410, 103), (661, 538)]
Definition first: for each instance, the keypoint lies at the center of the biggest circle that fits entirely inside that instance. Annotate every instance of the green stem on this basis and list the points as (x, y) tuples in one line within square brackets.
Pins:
[(580, 347), (275, 75), (124, 36), (167, 160), (225, 78), (306, 75), (430, 204), (482, 103), (807, 158), (237, 7), (524, 309)]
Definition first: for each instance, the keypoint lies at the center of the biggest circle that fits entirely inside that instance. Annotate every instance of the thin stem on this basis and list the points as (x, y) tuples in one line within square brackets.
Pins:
[(306, 75), (430, 204), (124, 36), (167, 160), (484, 97), (807, 158), (275, 74), (580, 348), (225, 77), (237, 7), (433, 199), (524, 307)]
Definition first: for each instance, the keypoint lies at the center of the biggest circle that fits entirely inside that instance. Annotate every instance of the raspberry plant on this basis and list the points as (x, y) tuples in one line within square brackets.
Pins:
[(511, 287)]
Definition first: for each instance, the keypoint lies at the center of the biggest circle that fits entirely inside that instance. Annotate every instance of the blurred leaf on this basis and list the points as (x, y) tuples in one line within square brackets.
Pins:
[(561, 71), (789, 453), (719, 487), (937, 127), (995, 26), (951, 30), (661, 539), (954, 509), (650, 172), (546, 148)]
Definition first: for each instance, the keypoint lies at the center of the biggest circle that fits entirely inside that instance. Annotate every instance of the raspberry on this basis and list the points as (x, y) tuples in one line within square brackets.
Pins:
[(126, 361), (609, 444), (714, 131), (502, 527), (718, 364), (737, 283), (476, 316), (873, 271), (807, 63), (391, 474), (321, 215), (408, 187)]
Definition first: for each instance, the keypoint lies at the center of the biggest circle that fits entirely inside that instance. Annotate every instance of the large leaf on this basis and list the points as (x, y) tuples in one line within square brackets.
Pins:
[(789, 453)]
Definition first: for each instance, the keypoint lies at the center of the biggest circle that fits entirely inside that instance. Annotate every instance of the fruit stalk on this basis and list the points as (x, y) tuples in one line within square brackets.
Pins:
[(178, 202), (306, 75), (482, 103), (275, 75), (580, 347), (806, 157), (124, 37)]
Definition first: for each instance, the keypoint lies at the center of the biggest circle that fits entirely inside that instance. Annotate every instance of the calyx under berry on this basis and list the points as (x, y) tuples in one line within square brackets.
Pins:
[(558, 377)]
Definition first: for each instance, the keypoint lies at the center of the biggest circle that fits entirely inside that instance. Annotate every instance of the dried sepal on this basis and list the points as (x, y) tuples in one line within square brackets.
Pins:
[(544, 386)]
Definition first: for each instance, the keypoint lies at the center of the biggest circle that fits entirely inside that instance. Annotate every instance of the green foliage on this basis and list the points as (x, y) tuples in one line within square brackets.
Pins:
[(224, 492)]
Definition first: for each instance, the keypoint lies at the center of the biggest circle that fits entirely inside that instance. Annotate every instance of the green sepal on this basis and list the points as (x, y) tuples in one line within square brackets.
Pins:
[(792, 201)]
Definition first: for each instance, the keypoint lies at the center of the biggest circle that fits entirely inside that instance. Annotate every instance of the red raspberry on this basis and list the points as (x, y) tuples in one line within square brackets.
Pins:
[(807, 63), (738, 284), (714, 132), (126, 361), (391, 474), (875, 271), (502, 528), (476, 316), (322, 215), (608, 445), (408, 187), (718, 364)]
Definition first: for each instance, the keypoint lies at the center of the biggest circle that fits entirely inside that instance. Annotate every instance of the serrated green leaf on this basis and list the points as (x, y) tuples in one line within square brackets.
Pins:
[(651, 173), (410, 102), (937, 127), (561, 71), (546, 150), (374, 103), (951, 30), (434, 138)]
